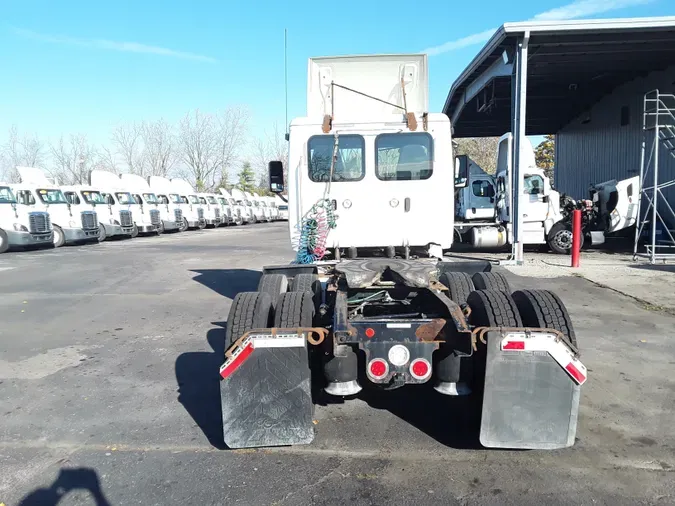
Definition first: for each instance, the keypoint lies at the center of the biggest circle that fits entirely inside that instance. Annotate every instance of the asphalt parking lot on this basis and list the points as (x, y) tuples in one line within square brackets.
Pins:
[(109, 394)]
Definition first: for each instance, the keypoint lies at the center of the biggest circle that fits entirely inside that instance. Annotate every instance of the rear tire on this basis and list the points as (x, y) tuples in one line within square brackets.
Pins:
[(492, 308), (250, 310), (185, 225), (544, 309), (201, 225), (490, 281), (459, 286), (134, 231), (59, 236), (274, 285), (4, 241), (294, 309), (306, 283)]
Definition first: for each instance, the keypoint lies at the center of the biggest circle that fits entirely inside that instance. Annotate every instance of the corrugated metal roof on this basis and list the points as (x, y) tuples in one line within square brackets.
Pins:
[(571, 65)]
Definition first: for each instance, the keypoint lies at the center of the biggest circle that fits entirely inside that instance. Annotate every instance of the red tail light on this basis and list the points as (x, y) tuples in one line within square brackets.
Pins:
[(420, 369), (378, 368)]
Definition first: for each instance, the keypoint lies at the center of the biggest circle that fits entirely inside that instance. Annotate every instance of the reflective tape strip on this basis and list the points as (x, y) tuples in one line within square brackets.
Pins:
[(276, 342), (550, 344), (236, 360)]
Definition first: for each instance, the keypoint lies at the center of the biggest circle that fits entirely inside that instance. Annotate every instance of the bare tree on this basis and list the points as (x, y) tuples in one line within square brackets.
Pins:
[(482, 150), (73, 159), (158, 148), (127, 141), (106, 160), (209, 144), (27, 150), (273, 147)]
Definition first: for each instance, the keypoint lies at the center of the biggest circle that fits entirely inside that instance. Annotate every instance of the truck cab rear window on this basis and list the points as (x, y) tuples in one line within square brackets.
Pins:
[(404, 156), (350, 162)]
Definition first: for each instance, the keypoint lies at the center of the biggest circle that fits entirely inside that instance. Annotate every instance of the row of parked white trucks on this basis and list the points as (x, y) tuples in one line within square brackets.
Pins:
[(37, 211)]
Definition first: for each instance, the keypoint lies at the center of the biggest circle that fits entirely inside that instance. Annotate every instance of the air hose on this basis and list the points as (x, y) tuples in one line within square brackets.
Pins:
[(313, 232)]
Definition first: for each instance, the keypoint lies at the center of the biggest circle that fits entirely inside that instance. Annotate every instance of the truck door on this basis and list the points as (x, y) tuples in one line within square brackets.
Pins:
[(533, 202)]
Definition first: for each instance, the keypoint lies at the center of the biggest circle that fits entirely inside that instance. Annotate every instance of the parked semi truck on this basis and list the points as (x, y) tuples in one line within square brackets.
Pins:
[(282, 205), (193, 211), (70, 226), (169, 201), (238, 210), (482, 204), (212, 210), (245, 204), (370, 170), (87, 198), (161, 216), (20, 227)]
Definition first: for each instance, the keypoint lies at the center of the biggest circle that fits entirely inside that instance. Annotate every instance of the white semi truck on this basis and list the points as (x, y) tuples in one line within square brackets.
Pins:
[(193, 211), (371, 171), (161, 215), (36, 192), (482, 204), (238, 210), (226, 210), (245, 204), (116, 193), (87, 198), (212, 210), (169, 201), (20, 227), (282, 205), (272, 206)]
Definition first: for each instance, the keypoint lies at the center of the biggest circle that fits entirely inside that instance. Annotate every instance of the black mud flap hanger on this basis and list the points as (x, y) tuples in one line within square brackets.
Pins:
[(532, 386), (266, 389)]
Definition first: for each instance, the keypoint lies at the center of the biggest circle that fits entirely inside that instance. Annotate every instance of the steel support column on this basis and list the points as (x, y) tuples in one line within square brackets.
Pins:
[(518, 119)]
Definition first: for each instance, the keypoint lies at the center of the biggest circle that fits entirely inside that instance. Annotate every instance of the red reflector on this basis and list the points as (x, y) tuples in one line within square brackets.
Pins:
[(378, 368), (420, 368), (514, 345), (369, 332), (234, 365), (576, 374)]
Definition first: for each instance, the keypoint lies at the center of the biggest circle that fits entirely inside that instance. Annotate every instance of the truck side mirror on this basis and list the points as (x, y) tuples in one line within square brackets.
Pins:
[(461, 171), (276, 173)]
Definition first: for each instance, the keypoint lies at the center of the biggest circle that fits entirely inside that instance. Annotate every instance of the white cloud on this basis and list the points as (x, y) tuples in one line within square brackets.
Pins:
[(574, 10), (130, 47)]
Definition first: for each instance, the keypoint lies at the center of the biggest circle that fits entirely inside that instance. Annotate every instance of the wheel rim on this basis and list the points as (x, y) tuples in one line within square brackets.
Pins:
[(2, 241), (563, 239), (57, 236), (101, 233)]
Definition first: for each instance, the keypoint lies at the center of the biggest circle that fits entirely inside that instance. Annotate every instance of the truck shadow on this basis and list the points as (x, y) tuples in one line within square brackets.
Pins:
[(228, 282), (452, 421), (198, 379)]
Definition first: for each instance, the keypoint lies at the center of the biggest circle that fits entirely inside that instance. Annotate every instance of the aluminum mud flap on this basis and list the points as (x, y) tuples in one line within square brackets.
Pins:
[(265, 391), (531, 394)]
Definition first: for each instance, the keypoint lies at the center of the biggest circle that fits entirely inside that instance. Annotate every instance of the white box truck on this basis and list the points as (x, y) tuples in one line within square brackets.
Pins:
[(36, 192), (20, 227)]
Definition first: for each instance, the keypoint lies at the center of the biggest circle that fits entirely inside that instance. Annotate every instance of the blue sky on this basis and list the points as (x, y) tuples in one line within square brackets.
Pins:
[(84, 67)]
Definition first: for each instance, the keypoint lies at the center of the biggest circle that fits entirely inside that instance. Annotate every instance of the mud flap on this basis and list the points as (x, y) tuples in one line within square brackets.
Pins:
[(531, 394), (265, 392)]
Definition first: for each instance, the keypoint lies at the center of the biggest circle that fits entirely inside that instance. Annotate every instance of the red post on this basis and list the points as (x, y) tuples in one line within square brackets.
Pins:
[(576, 237)]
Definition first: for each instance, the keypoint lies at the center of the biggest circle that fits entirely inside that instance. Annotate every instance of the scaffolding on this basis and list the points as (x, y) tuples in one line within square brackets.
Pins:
[(655, 214)]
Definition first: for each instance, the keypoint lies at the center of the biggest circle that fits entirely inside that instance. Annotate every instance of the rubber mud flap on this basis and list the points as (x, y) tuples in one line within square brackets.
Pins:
[(266, 399), (529, 401)]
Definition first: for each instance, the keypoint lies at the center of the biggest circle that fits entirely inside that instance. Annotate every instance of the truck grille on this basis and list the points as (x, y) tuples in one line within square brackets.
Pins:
[(89, 220), (125, 219), (40, 223), (200, 213), (217, 213), (239, 212), (178, 213), (154, 217), (229, 211)]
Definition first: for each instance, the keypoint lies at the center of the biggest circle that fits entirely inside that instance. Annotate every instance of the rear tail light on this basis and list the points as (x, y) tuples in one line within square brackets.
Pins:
[(378, 368), (420, 369)]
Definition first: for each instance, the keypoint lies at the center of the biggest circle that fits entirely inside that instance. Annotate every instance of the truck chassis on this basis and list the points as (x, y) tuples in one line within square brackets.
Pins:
[(338, 327)]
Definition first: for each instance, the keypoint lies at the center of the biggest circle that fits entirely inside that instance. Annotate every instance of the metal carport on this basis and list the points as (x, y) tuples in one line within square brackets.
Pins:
[(547, 73)]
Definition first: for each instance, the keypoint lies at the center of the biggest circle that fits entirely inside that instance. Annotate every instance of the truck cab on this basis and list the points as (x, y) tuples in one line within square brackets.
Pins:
[(244, 204), (272, 206), (384, 168), (169, 202), (159, 213), (225, 209), (238, 211), (87, 198), (37, 193), (212, 211), (282, 205), (474, 200), (193, 211), (19, 226)]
